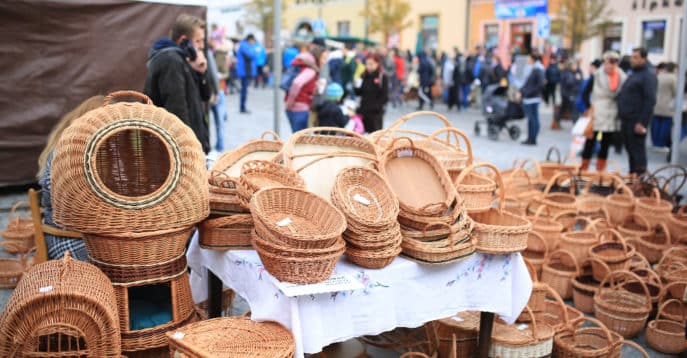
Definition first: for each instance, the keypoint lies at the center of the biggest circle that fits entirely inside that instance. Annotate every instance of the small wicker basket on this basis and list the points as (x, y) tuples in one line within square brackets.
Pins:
[(536, 252), (19, 230), (615, 254), (12, 270), (449, 151), (476, 190), (226, 232), (509, 341), (575, 342), (654, 209), (558, 272), (620, 204), (260, 174), (664, 335), (620, 310)]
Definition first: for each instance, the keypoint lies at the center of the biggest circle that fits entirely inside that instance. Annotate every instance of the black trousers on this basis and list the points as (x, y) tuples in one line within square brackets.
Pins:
[(550, 93), (606, 140), (635, 145), (426, 95), (453, 97), (372, 120)]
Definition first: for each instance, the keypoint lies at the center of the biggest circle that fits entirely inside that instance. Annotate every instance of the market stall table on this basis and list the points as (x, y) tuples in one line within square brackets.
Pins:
[(404, 294)]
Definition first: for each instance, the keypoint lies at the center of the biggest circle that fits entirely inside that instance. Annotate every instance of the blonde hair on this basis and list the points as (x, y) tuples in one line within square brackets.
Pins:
[(85, 106), (611, 55), (185, 25)]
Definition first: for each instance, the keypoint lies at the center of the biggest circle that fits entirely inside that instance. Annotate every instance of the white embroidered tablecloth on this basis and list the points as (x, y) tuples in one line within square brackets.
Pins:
[(404, 294)]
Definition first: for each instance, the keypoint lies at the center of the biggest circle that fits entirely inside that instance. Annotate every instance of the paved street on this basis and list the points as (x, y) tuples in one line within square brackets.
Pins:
[(241, 128)]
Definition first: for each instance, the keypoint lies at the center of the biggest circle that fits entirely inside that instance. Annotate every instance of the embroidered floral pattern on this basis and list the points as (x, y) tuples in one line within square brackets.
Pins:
[(368, 283)]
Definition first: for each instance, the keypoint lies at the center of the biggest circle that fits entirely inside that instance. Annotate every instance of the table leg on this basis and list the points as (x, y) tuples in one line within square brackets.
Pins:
[(214, 295), (296, 327), (486, 323)]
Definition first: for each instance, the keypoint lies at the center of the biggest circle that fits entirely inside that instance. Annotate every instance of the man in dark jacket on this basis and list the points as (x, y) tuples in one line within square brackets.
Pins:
[(176, 77), (635, 107), (553, 77), (531, 96), (427, 75)]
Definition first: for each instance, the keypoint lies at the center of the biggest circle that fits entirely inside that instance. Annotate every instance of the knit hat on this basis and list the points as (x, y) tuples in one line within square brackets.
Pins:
[(334, 92)]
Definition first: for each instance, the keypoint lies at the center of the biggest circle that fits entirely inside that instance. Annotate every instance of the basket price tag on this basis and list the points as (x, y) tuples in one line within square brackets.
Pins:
[(284, 222), (45, 289), (403, 153), (178, 335), (336, 283), (522, 327), (457, 319), (361, 199)]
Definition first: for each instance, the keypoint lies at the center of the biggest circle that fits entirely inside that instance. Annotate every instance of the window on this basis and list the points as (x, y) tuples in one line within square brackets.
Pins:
[(343, 28), (430, 31), (613, 37), (491, 35), (653, 36)]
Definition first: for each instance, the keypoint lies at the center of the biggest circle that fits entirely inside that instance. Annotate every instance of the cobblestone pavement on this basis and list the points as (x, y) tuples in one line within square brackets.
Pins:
[(501, 152)]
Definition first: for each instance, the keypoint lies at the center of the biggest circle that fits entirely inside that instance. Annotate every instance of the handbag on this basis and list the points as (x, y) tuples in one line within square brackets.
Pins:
[(589, 129)]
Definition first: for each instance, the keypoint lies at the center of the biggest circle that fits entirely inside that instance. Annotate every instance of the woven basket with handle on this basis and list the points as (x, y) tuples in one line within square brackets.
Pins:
[(128, 167), (260, 174), (620, 310), (575, 341), (654, 209), (535, 340), (476, 190), (666, 336), (19, 230), (620, 204), (613, 251), (559, 270), (226, 232)]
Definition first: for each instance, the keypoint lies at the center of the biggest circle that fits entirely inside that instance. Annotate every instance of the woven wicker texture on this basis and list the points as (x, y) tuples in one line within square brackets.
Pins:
[(620, 204), (260, 174), (318, 154), (407, 168), (498, 231), (558, 271), (622, 311), (677, 224), (654, 209), (230, 162), (535, 340), (19, 230), (550, 167), (547, 227), (226, 232), (613, 251), (61, 308), (232, 337), (536, 252), (664, 335), (584, 289), (12, 270), (558, 202), (128, 168), (476, 190), (464, 333), (365, 198), (576, 342)]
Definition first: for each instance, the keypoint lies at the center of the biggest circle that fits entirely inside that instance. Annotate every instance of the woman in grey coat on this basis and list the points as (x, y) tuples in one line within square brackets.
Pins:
[(606, 87)]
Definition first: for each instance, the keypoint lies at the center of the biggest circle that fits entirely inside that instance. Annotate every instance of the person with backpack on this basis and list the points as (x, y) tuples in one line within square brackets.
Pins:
[(301, 81), (373, 89)]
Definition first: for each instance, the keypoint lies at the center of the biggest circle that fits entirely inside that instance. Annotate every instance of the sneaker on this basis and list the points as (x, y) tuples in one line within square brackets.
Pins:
[(245, 111), (528, 142)]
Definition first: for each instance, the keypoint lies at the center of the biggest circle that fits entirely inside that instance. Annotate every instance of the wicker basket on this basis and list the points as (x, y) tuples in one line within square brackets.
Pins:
[(455, 247), (558, 272), (677, 224), (231, 336), (578, 243), (448, 150), (150, 248), (463, 225), (12, 270), (224, 196), (407, 168), (635, 226), (230, 162), (226, 232), (266, 246), (653, 246), (549, 168), (461, 330), (536, 252), (61, 308), (654, 209), (260, 174), (365, 198), (576, 342), (585, 286), (548, 228), (500, 232), (622, 311), (318, 154), (476, 190), (615, 254), (19, 230), (373, 259), (620, 204), (296, 218), (556, 313), (557, 202), (666, 336), (510, 341), (677, 311), (653, 284), (127, 168)]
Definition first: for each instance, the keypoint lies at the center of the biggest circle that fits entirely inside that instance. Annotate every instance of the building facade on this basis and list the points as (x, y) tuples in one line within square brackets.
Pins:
[(437, 24), (655, 25)]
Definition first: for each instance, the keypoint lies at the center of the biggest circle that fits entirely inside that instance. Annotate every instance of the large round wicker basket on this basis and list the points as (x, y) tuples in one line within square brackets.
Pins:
[(128, 168), (61, 308)]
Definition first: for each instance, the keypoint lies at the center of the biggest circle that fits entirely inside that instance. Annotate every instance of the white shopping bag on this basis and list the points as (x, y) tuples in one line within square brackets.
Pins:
[(580, 125), (577, 145)]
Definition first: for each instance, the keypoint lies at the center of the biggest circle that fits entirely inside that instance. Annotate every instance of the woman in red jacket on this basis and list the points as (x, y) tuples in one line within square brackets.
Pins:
[(397, 80), (300, 95)]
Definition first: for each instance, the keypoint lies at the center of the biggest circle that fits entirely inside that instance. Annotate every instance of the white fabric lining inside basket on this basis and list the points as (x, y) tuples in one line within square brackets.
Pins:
[(235, 169), (320, 176)]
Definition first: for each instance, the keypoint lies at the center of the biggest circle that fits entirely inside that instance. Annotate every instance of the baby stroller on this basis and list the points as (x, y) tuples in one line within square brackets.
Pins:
[(498, 110)]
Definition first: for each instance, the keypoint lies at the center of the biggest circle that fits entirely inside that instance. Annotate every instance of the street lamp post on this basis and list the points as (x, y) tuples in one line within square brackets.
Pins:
[(276, 62), (677, 116)]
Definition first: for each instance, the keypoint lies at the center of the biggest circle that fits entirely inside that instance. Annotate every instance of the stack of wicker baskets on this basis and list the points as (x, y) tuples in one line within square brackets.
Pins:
[(132, 178), (435, 227), (297, 234), (371, 210), (230, 224), (62, 308)]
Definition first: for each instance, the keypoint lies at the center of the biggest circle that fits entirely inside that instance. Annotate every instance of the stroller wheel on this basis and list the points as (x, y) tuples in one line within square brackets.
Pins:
[(514, 132), (477, 129), (493, 132)]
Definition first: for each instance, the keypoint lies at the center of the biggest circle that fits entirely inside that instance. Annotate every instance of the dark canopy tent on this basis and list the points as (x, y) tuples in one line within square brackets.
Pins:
[(56, 53)]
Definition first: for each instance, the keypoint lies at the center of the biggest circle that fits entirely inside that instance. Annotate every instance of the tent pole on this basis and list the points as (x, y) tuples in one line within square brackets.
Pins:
[(677, 116), (276, 65)]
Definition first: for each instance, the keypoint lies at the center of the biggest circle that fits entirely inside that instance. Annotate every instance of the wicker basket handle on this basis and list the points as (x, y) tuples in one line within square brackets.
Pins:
[(541, 239), (394, 126), (227, 220), (457, 135), (126, 94), (323, 156), (651, 275), (558, 216), (433, 208), (603, 264), (531, 270), (550, 292), (636, 347), (637, 261), (611, 235), (223, 180), (640, 220), (434, 225), (533, 325), (274, 135), (519, 172), (613, 282), (535, 164), (669, 253), (414, 355), (539, 210), (666, 232), (554, 180), (624, 189), (558, 253), (551, 150), (13, 211), (668, 302), (588, 223), (578, 321)]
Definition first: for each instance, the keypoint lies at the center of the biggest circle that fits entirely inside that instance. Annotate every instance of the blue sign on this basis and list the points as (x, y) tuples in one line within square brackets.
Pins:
[(318, 27), (543, 26), (513, 9)]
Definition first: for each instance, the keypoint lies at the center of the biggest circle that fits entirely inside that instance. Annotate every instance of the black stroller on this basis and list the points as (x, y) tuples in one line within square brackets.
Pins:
[(498, 111)]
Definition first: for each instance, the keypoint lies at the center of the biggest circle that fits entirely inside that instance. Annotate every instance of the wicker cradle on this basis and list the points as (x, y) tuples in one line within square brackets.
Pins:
[(128, 168), (231, 337), (61, 308)]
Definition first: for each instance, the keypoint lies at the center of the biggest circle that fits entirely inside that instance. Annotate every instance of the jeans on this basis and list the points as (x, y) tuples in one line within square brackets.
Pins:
[(635, 145), (219, 114), (532, 113), (425, 95), (660, 131), (396, 91), (465, 94), (245, 82), (298, 120)]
